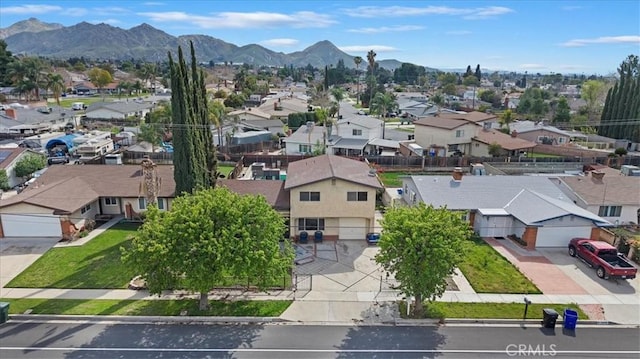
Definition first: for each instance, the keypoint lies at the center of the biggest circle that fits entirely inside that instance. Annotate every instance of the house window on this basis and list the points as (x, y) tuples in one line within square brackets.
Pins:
[(160, 203), (609, 211), (357, 196), (459, 133), (562, 140), (304, 148), (142, 203), (85, 209), (110, 201), (309, 196), (311, 224), (357, 132)]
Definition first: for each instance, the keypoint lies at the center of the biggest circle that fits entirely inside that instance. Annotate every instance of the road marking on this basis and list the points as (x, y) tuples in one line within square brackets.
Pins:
[(284, 350)]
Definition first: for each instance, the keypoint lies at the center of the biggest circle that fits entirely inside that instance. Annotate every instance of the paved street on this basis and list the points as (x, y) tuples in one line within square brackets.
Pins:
[(91, 340)]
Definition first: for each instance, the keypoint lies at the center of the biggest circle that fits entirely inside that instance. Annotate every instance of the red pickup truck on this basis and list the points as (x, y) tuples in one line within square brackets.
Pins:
[(603, 257)]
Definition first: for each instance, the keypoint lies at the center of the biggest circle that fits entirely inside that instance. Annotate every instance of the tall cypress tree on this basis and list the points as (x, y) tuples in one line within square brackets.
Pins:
[(194, 158), (621, 119)]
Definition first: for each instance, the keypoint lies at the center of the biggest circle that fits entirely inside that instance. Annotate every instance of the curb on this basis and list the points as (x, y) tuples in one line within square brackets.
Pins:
[(146, 319)]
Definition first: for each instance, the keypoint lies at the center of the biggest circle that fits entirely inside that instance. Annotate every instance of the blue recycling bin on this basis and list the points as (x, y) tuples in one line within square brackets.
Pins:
[(317, 237), (570, 319), (304, 237)]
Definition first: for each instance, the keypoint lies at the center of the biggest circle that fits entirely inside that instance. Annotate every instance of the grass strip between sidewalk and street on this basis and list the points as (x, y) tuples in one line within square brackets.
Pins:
[(489, 272), (256, 308), (451, 310)]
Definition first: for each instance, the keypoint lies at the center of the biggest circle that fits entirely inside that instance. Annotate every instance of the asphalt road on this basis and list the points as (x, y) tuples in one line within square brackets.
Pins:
[(112, 340)]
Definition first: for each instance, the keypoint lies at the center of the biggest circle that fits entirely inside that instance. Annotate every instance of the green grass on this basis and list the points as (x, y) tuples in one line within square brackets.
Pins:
[(266, 308), (225, 170), (391, 179), (489, 272), (95, 264), (450, 310), (86, 100), (542, 155)]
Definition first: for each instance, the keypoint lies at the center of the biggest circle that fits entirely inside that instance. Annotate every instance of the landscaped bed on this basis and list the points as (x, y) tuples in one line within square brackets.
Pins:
[(264, 308), (489, 272), (444, 310)]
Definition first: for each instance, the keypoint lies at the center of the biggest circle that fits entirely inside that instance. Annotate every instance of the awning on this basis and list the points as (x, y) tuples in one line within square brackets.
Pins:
[(385, 143), (350, 143)]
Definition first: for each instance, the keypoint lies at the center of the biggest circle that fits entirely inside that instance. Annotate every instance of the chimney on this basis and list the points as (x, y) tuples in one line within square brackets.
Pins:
[(457, 174), (11, 112), (597, 175), (514, 133)]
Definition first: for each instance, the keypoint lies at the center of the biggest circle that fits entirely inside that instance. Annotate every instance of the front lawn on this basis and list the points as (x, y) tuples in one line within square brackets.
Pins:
[(489, 272), (225, 170), (94, 265), (444, 310), (264, 308)]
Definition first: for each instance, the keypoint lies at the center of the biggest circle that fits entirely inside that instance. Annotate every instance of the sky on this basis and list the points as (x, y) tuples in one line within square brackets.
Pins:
[(584, 37)]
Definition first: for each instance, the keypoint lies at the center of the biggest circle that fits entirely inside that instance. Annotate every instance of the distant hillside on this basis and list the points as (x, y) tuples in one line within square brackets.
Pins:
[(29, 25), (102, 41)]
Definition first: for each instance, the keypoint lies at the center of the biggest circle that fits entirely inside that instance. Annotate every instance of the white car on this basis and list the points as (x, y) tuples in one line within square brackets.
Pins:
[(361, 112)]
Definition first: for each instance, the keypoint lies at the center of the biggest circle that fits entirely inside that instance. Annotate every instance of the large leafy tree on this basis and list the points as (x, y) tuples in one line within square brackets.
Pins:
[(383, 103), (100, 77), (421, 246), (621, 113), (591, 92), (29, 164), (55, 83), (563, 111), (194, 154), (5, 59), (207, 237)]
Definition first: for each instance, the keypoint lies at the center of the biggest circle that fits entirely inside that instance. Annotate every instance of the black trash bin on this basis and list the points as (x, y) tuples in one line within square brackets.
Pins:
[(4, 312), (549, 318), (304, 237)]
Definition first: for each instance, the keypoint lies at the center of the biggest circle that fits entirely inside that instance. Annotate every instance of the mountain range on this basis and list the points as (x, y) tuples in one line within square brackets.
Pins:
[(106, 42)]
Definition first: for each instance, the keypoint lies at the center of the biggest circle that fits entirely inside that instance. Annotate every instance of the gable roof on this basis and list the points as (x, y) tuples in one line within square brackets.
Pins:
[(530, 126), (533, 208), (320, 168), (440, 122), (120, 107), (8, 155), (302, 135), (362, 121), (273, 191), (612, 189), (505, 141)]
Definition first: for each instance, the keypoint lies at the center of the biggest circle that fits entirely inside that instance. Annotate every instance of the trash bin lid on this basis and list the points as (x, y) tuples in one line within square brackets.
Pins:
[(4, 304), (550, 311)]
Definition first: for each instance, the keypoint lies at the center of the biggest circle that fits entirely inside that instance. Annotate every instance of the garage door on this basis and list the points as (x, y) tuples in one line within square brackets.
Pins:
[(31, 225), (353, 228), (560, 236)]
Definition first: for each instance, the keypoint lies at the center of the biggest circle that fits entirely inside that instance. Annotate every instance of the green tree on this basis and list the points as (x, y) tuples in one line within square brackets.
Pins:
[(371, 59), (621, 114), (495, 149), (383, 103), (6, 58), (471, 80), (193, 151), (235, 100), (338, 94), (55, 83), (592, 91), (421, 246), (478, 73), (152, 133), (563, 111), (357, 60), (4, 180), (29, 164), (207, 237), (447, 78), (217, 113), (99, 78)]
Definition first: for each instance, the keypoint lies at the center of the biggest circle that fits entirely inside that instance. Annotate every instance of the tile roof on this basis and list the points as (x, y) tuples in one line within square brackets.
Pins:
[(612, 189), (273, 191), (505, 141), (320, 168)]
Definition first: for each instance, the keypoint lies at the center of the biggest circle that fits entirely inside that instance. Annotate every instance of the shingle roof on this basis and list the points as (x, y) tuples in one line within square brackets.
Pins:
[(302, 135), (363, 121), (610, 190), (440, 122), (505, 141), (273, 191), (325, 167)]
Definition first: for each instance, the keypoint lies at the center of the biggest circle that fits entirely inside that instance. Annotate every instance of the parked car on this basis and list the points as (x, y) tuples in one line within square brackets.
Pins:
[(54, 160), (603, 257), (361, 112)]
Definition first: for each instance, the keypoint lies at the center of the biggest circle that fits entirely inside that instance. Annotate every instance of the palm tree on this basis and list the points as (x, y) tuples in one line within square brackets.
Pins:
[(382, 103), (357, 60), (371, 58), (505, 119), (338, 94), (55, 83), (217, 113)]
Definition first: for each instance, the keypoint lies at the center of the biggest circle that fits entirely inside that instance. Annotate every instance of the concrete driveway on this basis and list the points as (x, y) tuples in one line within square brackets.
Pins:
[(16, 254)]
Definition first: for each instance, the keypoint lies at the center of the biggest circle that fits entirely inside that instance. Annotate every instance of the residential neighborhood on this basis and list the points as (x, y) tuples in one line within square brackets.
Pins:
[(312, 188)]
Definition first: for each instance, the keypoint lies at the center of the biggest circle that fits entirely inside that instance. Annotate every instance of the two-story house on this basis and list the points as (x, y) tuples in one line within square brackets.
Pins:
[(332, 194), (453, 131), (351, 135)]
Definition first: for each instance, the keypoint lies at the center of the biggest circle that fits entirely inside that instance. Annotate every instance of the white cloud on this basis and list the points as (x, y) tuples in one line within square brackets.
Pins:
[(381, 29), (280, 42), (367, 48), (398, 11), (459, 32), (633, 39), (532, 66), (244, 20), (75, 11), (29, 9)]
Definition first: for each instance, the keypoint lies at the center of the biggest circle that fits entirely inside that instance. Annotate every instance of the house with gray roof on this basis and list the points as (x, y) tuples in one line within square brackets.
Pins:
[(305, 139), (32, 121), (119, 110), (530, 207), (540, 132)]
